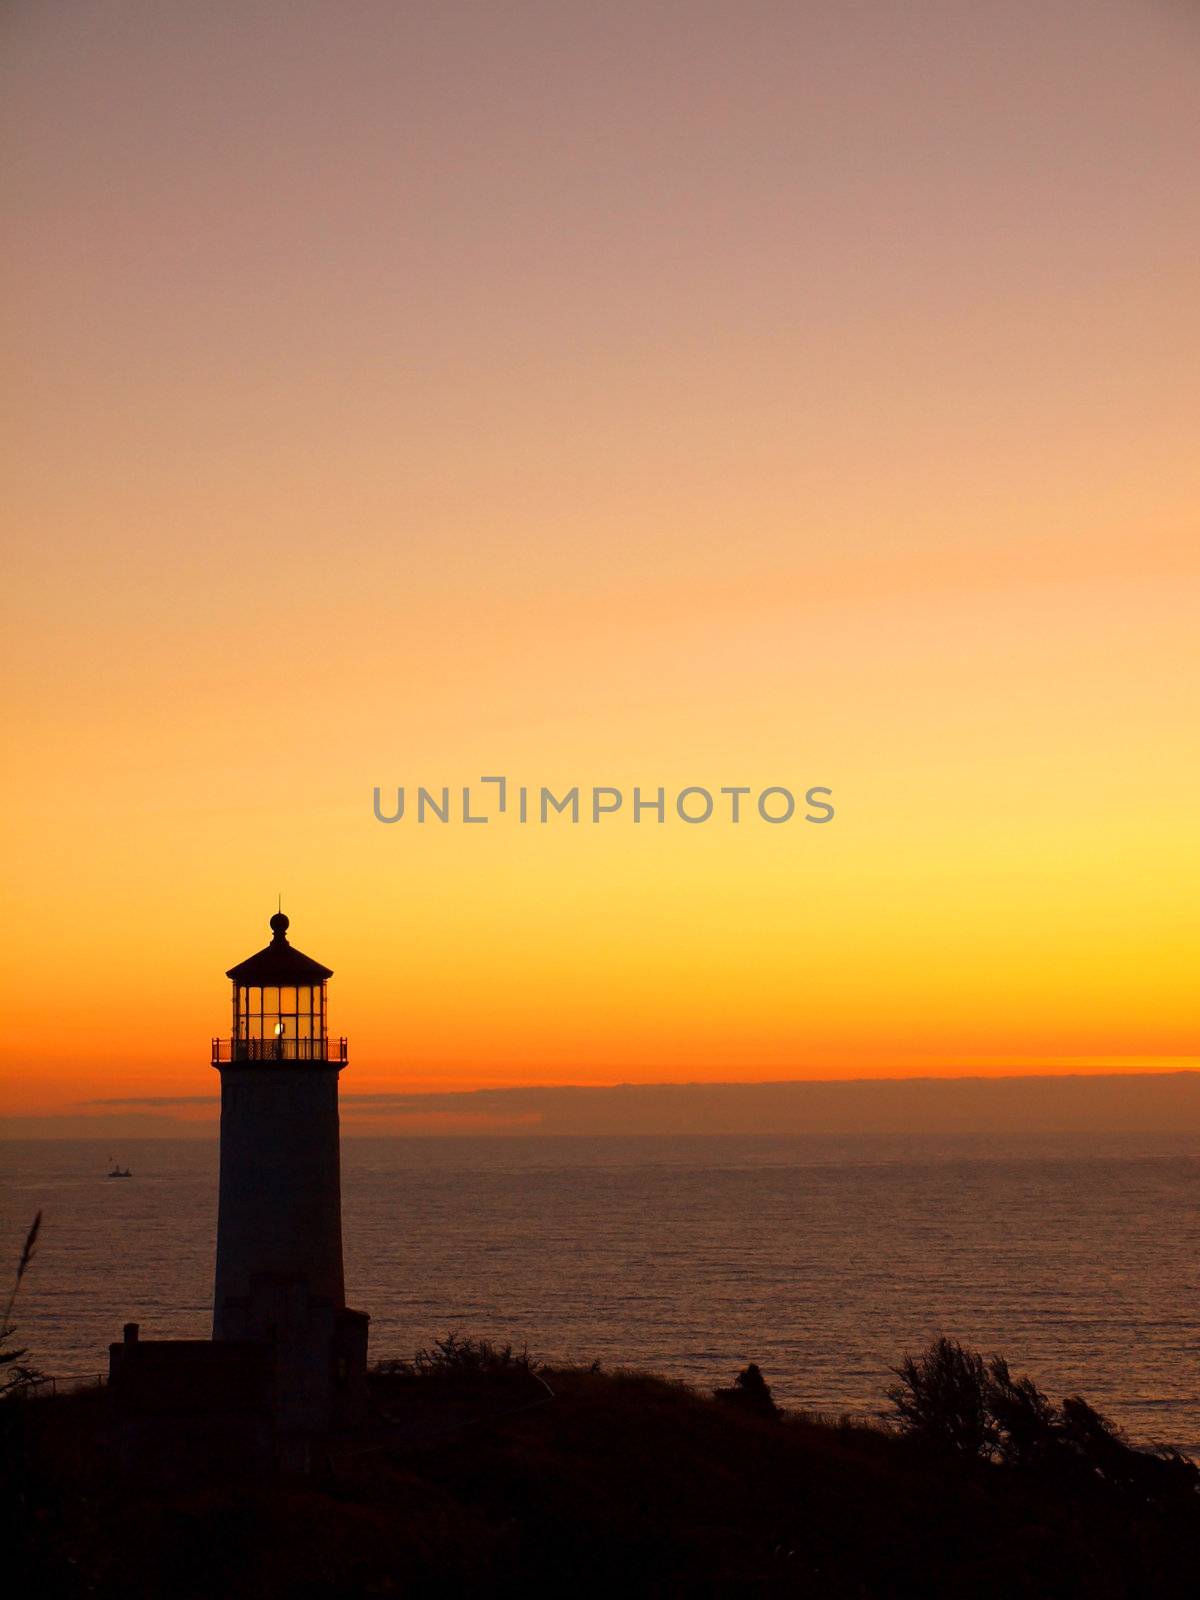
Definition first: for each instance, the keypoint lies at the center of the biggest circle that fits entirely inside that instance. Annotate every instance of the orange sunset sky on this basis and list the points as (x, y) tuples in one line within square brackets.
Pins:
[(627, 393)]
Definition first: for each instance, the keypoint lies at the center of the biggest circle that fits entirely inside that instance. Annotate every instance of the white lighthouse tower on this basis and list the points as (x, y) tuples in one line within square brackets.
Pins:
[(279, 1273)]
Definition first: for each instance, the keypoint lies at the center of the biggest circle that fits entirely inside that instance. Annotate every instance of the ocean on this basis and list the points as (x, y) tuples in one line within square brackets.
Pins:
[(824, 1258)]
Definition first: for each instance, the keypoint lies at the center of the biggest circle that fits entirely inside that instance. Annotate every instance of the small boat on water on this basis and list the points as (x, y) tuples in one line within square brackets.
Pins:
[(119, 1171)]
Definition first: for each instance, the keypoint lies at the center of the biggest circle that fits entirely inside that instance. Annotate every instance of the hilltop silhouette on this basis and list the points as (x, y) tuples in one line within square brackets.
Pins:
[(485, 1473)]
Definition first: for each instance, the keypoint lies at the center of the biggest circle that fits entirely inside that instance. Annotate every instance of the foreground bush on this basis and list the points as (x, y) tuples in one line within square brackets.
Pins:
[(457, 1357), (951, 1400)]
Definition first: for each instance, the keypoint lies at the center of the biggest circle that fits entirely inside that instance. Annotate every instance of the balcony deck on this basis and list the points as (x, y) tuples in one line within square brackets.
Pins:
[(318, 1051)]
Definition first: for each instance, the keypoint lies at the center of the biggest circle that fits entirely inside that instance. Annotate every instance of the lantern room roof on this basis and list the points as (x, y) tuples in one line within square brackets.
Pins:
[(279, 963)]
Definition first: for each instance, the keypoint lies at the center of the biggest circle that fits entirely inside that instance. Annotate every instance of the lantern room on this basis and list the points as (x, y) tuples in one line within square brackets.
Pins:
[(279, 1002)]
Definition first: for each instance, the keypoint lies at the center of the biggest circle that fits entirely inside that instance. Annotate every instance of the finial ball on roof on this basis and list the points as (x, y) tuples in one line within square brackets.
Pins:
[(279, 924)]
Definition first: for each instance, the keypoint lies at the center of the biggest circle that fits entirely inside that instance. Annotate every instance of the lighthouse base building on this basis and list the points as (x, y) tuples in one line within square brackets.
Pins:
[(288, 1357)]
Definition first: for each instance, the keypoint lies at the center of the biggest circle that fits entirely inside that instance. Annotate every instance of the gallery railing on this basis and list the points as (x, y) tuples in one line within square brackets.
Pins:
[(279, 1050)]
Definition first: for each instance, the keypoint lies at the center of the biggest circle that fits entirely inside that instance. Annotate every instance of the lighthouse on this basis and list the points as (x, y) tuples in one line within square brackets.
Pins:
[(279, 1276)]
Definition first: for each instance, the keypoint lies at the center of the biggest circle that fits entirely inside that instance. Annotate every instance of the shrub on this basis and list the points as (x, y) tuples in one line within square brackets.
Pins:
[(458, 1357), (951, 1398), (942, 1399), (751, 1391), (1024, 1419)]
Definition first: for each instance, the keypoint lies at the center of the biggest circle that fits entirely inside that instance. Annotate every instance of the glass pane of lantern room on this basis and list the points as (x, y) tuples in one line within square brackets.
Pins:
[(261, 1023), (250, 1012), (270, 1013)]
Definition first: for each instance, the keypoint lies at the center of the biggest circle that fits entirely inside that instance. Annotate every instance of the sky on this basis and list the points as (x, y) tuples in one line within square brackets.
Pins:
[(612, 394)]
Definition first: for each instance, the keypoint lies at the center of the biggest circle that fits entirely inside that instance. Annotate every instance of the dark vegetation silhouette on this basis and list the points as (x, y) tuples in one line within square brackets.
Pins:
[(940, 1399), (951, 1401), (751, 1391), (15, 1377), (487, 1472), (457, 1356), (21, 1487)]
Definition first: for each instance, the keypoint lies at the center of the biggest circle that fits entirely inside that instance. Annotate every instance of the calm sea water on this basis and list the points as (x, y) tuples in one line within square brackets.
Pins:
[(822, 1258)]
